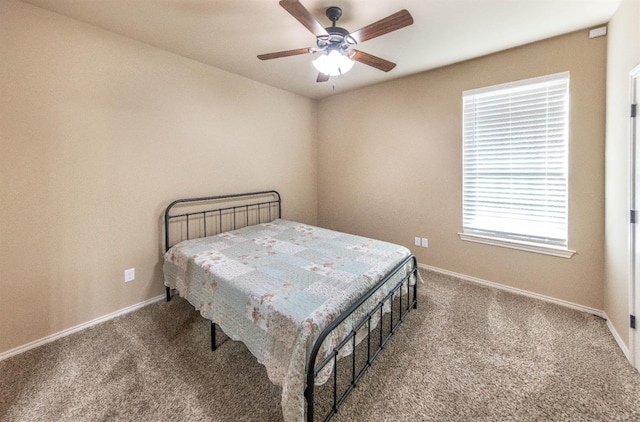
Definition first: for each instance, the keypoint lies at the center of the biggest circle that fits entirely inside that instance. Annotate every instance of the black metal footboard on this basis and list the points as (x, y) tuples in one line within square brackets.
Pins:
[(373, 346)]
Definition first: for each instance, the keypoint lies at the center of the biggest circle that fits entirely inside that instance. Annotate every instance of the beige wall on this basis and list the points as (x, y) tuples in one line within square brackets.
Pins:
[(98, 134), (390, 166), (623, 55)]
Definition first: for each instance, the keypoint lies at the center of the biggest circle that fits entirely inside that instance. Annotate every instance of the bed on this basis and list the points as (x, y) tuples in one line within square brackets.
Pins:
[(298, 296)]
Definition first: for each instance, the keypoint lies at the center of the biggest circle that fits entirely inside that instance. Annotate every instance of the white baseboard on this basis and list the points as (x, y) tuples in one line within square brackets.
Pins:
[(560, 302), (64, 333), (618, 339), (597, 312), (515, 290)]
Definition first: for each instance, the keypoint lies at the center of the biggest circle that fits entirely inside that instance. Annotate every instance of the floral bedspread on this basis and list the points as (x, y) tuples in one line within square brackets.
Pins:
[(276, 286)]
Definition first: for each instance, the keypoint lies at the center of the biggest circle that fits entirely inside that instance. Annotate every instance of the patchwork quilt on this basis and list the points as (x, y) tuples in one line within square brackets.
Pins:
[(276, 286)]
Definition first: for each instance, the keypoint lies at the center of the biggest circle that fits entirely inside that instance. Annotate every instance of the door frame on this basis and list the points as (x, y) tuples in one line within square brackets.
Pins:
[(634, 238)]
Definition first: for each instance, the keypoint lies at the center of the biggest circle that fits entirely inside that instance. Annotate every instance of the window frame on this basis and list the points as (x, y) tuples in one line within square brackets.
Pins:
[(490, 236)]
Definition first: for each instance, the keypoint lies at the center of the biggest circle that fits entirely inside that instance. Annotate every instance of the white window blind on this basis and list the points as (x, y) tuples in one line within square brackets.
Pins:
[(515, 161)]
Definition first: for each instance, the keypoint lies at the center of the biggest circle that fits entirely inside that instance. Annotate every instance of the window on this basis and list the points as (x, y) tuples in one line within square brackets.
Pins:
[(515, 148)]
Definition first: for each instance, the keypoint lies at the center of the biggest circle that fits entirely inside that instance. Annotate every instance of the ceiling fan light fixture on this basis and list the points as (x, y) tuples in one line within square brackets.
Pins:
[(333, 63)]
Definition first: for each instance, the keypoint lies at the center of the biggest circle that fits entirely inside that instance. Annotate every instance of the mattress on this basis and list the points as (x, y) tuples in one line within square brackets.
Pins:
[(276, 286)]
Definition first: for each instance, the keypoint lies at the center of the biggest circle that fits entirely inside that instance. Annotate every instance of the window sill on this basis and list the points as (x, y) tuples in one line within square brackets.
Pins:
[(521, 246)]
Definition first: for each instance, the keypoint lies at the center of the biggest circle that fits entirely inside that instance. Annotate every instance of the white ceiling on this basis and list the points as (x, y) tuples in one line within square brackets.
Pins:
[(229, 34)]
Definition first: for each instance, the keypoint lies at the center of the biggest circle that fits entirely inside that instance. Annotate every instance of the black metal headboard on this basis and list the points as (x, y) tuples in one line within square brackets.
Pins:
[(210, 215)]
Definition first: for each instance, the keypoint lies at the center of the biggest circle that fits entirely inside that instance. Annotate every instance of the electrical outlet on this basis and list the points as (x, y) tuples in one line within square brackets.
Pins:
[(129, 275), (416, 241), (425, 242)]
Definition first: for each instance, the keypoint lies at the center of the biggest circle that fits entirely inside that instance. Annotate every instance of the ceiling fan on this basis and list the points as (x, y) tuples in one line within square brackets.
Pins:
[(337, 44)]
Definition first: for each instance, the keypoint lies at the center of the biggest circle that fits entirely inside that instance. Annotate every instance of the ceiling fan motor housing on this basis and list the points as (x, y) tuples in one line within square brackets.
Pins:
[(337, 38)]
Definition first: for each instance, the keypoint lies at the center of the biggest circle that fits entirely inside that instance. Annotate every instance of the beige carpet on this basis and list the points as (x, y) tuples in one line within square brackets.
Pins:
[(467, 353)]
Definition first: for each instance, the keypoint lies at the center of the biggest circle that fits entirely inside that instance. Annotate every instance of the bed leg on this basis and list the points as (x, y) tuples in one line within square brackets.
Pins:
[(308, 395), (415, 285), (415, 294), (213, 336), (168, 294)]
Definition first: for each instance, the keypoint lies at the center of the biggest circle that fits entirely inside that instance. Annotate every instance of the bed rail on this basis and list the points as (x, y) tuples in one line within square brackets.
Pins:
[(356, 374)]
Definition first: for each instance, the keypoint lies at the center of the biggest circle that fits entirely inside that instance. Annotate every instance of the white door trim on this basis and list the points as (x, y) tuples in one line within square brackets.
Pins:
[(634, 276)]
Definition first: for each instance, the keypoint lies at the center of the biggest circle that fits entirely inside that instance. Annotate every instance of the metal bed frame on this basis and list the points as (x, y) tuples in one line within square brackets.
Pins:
[(230, 212)]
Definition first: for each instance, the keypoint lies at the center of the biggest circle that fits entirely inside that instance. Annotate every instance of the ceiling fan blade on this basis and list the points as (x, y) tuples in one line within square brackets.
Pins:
[(371, 60), (383, 26), (287, 53), (322, 77), (298, 11)]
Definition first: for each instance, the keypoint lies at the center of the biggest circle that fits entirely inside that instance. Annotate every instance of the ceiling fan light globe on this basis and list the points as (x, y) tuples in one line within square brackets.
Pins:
[(333, 64)]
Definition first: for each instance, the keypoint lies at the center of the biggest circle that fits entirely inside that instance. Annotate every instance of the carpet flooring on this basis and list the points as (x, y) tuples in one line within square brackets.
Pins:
[(468, 353)]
